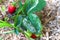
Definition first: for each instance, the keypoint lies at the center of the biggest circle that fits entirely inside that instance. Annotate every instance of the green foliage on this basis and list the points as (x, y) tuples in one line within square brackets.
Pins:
[(35, 22), (25, 20), (36, 5), (18, 22), (28, 20), (4, 24), (28, 25), (18, 10), (32, 6)]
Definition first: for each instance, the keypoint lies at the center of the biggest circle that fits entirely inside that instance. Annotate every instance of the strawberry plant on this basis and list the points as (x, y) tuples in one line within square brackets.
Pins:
[(25, 19)]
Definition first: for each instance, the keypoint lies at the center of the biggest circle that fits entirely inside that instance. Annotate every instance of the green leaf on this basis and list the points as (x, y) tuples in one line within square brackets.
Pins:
[(20, 3), (14, 3), (36, 5), (28, 34), (19, 9), (3, 8), (25, 4), (4, 24), (18, 20), (35, 22), (27, 24)]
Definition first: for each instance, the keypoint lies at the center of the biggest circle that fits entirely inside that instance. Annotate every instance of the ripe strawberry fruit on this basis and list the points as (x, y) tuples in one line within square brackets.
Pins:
[(33, 36), (11, 9)]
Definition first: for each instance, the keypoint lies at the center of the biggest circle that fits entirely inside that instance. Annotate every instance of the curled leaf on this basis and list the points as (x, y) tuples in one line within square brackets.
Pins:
[(35, 22), (37, 5)]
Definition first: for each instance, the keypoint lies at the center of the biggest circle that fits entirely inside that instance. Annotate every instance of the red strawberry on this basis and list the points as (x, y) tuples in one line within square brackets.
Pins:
[(33, 36), (11, 9)]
